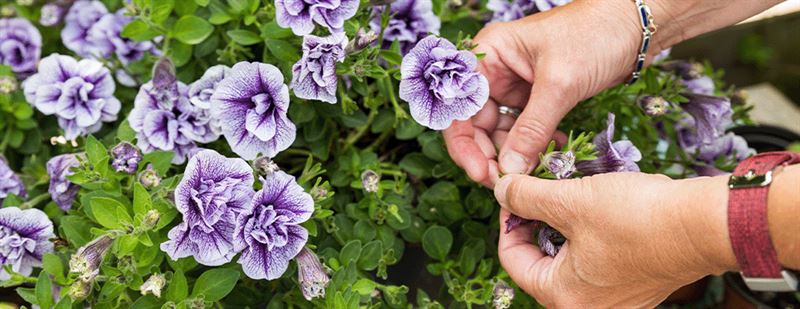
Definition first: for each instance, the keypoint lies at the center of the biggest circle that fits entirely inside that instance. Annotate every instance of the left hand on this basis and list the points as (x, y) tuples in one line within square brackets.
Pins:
[(632, 238)]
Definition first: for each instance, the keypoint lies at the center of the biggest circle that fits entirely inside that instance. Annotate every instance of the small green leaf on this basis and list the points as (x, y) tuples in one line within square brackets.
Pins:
[(52, 264), (215, 284), (161, 10), (192, 30), (138, 30), (371, 255), (180, 53), (76, 229), (44, 292), (95, 151), (141, 199), (146, 302), (437, 241), (125, 132), (391, 57), (271, 30), (202, 3), (350, 252), (244, 37), (283, 50), (107, 210), (364, 286), (178, 289), (161, 160)]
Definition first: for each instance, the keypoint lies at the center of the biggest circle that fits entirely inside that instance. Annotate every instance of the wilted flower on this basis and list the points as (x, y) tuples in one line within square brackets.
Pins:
[(362, 40), (20, 45), (79, 93), (653, 106), (300, 15), (370, 180), (314, 75), (104, 39), (165, 119), (270, 233), (149, 177), (125, 158), (7, 84), (153, 285), (61, 190), (150, 219), (550, 240), (440, 83), (311, 274), (561, 164), (409, 22), (200, 91), (619, 156), (711, 115), (9, 182), (51, 14), (253, 103), (87, 259), (515, 221), (502, 295), (264, 166), (692, 75), (81, 17), (213, 192), (80, 289), (24, 239)]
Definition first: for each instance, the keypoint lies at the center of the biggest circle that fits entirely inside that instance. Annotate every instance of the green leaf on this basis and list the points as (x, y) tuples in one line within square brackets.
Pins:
[(138, 30), (44, 292), (147, 302), (364, 231), (418, 164), (161, 160), (437, 241), (23, 111), (141, 199), (219, 18), (471, 253), (161, 10), (64, 303), (202, 3), (391, 57), (109, 212), (271, 30), (215, 284), (283, 50), (27, 294), (351, 251), (408, 129), (244, 37), (180, 53), (125, 132), (371, 255), (178, 289), (364, 286), (76, 230), (95, 151), (52, 264), (192, 30)]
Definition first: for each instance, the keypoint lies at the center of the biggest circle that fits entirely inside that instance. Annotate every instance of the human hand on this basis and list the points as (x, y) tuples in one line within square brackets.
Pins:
[(543, 65), (632, 238)]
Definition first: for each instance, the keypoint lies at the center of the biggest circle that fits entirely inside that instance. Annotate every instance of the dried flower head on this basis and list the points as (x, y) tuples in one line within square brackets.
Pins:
[(653, 106), (8, 84), (311, 274), (153, 285), (561, 164), (80, 289), (502, 295), (550, 240), (370, 181), (362, 40), (619, 156), (125, 158), (264, 166), (86, 261), (149, 177)]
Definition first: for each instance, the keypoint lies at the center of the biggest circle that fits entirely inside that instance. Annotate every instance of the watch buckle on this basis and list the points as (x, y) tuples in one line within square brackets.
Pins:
[(750, 180), (787, 283)]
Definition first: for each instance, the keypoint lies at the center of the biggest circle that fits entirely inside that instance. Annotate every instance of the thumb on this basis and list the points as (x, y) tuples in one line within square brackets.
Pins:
[(533, 129), (556, 202)]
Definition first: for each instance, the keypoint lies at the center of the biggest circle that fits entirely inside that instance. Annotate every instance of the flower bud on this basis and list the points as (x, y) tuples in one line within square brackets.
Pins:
[(370, 180), (80, 289), (502, 295), (125, 158), (164, 73), (86, 261), (265, 166), (561, 164), (7, 11), (8, 84), (653, 106), (362, 40), (468, 44), (149, 177), (319, 193), (150, 219), (311, 274), (514, 221), (153, 285), (51, 14)]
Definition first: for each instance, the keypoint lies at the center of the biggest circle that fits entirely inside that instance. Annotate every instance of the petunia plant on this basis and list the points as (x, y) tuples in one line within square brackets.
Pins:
[(288, 154)]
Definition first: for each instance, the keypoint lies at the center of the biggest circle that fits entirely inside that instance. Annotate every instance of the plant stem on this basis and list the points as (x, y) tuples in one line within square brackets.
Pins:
[(353, 138), (35, 201)]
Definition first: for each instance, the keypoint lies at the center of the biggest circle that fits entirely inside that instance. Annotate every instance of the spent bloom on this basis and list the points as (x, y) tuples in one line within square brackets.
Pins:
[(264, 166), (619, 156), (200, 91), (253, 102), (8, 84), (653, 106), (362, 40), (20, 45), (24, 239), (550, 240), (9, 182), (51, 14), (61, 190), (440, 83), (87, 259), (561, 164), (149, 177), (81, 17), (311, 274), (711, 115), (370, 181), (502, 295), (300, 15), (314, 75), (409, 22), (125, 158), (153, 285), (213, 192), (79, 93), (270, 233), (515, 221)]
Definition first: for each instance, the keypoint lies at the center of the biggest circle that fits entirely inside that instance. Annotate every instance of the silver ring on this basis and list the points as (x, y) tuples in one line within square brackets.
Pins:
[(505, 110)]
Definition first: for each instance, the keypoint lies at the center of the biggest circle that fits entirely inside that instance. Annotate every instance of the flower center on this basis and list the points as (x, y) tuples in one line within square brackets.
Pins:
[(211, 199), (260, 119), (449, 79), (269, 227), (13, 246)]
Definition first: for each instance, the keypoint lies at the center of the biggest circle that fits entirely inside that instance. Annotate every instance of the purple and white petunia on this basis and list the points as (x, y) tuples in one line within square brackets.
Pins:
[(409, 22), (24, 239), (440, 83), (300, 15), (619, 156), (80, 18), (79, 93), (20, 45), (214, 191), (125, 158), (314, 75), (270, 234), (52, 13), (728, 145), (692, 75), (508, 10), (105, 40), (164, 118), (200, 91), (711, 115), (61, 190), (253, 102), (10, 182)]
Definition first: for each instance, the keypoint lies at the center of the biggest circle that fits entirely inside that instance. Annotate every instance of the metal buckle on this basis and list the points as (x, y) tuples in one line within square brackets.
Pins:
[(750, 180), (788, 283)]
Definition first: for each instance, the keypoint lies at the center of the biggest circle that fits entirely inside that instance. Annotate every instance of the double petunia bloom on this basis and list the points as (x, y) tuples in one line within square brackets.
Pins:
[(223, 216)]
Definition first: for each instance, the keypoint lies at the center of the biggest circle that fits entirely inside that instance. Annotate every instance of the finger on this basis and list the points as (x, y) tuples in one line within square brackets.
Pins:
[(523, 261), (487, 117), (554, 202), (532, 130), (485, 144), (560, 138), (461, 145)]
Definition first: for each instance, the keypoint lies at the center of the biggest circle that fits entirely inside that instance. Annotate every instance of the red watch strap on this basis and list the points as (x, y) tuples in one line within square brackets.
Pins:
[(747, 217)]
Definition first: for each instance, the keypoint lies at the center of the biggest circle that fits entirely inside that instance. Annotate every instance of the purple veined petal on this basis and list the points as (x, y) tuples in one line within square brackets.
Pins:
[(20, 45), (619, 156), (29, 223), (57, 68), (161, 129), (46, 98), (214, 248), (288, 14), (282, 191), (110, 110), (259, 263), (25, 236), (179, 245), (210, 165), (200, 91), (61, 190)]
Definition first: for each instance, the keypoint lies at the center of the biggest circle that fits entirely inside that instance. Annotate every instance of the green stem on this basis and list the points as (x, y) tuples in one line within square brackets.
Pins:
[(299, 152), (353, 138), (4, 142), (399, 112), (379, 141), (35, 201)]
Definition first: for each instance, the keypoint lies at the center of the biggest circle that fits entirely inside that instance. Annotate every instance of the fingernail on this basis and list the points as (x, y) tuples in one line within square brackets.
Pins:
[(500, 189), (513, 163)]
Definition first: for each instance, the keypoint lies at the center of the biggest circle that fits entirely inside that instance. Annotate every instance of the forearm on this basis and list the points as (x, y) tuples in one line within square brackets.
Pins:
[(680, 20)]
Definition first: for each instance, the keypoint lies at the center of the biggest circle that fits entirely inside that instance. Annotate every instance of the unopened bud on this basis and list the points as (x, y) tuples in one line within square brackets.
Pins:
[(149, 177), (653, 106), (153, 285), (80, 289), (370, 180), (150, 219), (455, 3), (362, 40), (561, 164), (311, 274), (163, 73), (468, 44), (265, 166), (319, 193), (8, 84), (502, 295)]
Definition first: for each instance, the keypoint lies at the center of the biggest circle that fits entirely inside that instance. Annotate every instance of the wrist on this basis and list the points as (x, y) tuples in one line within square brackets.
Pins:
[(782, 212)]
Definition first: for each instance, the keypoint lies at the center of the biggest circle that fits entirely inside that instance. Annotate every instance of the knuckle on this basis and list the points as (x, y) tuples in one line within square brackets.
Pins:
[(531, 130)]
